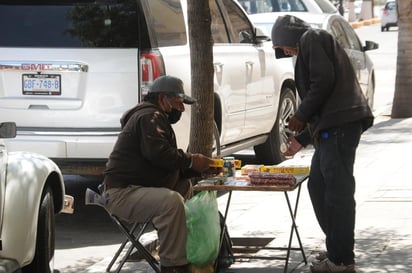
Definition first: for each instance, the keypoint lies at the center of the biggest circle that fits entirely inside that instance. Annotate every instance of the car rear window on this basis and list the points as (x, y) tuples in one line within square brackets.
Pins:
[(68, 24), (166, 19), (88, 24)]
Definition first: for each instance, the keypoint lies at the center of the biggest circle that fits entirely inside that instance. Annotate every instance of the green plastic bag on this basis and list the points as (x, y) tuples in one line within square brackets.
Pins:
[(203, 228)]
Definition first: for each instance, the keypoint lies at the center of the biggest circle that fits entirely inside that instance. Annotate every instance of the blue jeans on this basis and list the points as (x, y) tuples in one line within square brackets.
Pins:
[(332, 188)]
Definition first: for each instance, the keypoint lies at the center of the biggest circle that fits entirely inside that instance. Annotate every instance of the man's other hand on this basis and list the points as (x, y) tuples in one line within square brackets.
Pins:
[(295, 124), (200, 163)]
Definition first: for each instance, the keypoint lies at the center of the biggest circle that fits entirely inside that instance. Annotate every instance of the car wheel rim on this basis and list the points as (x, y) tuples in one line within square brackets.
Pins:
[(287, 110)]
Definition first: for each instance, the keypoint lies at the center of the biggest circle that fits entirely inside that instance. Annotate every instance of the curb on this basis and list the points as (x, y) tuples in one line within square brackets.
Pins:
[(368, 22)]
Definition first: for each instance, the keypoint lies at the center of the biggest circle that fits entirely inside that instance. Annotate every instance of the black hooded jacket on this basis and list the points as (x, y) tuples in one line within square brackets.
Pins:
[(325, 79), (146, 152)]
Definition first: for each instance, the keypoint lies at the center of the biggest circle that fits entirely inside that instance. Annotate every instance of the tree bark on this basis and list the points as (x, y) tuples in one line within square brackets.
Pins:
[(201, 55), (401, 106)]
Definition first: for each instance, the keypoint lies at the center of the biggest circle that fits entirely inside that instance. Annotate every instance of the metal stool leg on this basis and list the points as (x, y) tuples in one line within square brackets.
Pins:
[(136, 244), (123, 245), (94, 198)]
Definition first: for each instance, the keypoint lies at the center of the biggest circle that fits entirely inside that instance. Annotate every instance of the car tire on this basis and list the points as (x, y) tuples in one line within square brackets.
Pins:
[(45, 236), (269, 152)]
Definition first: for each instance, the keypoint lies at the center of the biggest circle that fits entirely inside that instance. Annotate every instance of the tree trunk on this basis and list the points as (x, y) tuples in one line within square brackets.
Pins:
[(351, 11), (201, 54), (401, 106), (366, 10)]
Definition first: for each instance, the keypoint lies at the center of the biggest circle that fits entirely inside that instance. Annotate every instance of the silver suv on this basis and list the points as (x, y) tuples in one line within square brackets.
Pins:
[(69, 69)]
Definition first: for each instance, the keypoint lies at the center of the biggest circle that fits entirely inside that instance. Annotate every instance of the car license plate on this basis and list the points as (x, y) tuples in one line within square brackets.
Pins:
[(41, 84)]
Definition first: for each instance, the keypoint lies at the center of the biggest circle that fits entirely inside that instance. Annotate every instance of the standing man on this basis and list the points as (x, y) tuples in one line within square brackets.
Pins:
[(332, 116), (146, 174)]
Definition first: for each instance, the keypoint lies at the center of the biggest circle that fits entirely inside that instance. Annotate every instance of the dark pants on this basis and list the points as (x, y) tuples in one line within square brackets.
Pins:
[(332, 188)]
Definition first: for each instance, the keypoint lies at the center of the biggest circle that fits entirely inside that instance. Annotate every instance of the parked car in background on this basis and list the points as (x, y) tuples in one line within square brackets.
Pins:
[(31, 193), (67, 78), (348, 39), (389, 16), (288, 6)]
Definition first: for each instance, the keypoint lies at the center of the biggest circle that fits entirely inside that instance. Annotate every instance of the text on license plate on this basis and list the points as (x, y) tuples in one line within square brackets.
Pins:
[(41, 84)]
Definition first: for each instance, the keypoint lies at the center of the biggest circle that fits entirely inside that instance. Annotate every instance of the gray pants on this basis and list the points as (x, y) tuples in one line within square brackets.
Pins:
[(164, 207)]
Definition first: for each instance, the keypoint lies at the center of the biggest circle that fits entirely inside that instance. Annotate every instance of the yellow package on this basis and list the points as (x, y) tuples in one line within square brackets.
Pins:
[(217, 163), (296, 169)]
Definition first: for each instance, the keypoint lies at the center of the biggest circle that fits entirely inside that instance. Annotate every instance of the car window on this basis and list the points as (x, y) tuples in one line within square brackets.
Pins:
[(339, 34), (261, 6), (352, 39), (391, 6), (218, 26), (68, 24), (242, 30), (326, 6), (166, 19), (78, 23)]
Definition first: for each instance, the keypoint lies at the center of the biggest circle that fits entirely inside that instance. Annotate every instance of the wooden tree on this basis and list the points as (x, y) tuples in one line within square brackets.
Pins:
[(351, 12), (201, 55), (401, 106)]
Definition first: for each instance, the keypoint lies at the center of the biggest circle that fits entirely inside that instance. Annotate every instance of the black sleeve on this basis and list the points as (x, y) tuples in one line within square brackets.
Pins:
[(315, 52)]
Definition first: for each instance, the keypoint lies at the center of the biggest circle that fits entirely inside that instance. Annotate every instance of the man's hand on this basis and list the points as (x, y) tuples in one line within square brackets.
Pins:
[(295, 124), (293, 147), (201, 163)]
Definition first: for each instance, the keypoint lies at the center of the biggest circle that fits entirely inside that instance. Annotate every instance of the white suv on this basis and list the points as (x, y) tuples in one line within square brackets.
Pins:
[(69, 70)]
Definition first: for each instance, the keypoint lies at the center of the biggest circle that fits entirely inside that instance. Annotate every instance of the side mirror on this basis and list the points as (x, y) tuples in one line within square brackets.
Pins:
[(8, 130), (260, 36), (370, 46)]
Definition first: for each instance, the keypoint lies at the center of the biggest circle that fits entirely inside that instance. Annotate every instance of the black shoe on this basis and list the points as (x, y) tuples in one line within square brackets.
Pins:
[(322, 256)]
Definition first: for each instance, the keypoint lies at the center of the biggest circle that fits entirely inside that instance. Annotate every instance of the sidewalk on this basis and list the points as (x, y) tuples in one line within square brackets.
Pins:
[(384, 202), (383, 170)]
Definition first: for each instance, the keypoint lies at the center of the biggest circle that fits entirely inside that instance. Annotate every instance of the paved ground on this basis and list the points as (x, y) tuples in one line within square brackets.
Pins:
[(384, 201), (383, 170)]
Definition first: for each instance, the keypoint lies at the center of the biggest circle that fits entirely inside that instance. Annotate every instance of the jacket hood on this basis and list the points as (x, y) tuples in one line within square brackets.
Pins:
[(129, 113), (287, 31)]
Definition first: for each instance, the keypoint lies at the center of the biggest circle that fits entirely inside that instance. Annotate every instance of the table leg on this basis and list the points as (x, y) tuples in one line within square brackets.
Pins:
[(294, 229), (229, 198)]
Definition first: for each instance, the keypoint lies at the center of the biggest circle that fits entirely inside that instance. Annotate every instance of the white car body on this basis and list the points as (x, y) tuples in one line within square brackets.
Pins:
[(77, 124), (24, 180)]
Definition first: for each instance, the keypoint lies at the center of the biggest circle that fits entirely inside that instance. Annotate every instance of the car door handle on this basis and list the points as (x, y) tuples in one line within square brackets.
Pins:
[(249, 71), (218, 72)]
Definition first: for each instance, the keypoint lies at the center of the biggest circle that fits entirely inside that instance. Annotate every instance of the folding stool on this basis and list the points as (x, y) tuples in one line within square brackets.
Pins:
[(132, 233)]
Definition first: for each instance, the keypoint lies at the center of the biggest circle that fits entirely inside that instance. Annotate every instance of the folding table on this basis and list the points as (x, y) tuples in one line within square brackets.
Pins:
[(273, 188)]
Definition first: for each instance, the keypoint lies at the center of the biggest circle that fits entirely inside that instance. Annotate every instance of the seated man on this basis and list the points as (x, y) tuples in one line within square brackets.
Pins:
[(146, 176)]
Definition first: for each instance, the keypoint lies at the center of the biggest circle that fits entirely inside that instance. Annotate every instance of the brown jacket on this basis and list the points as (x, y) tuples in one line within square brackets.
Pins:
[(146, 152)]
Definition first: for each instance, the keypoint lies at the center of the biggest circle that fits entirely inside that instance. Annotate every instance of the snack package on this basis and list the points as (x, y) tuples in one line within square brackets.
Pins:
[(294, 169), (245, 170), (272, 179)]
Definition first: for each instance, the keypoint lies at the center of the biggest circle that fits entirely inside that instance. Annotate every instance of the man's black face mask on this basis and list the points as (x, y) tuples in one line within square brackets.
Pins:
[(174, 115)]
